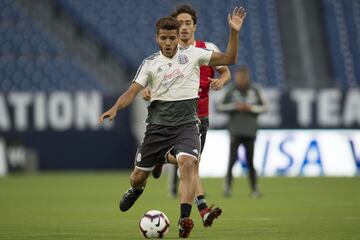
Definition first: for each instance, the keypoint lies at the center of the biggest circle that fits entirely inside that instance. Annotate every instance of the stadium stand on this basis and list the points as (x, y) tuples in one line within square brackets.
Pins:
[(342, 22), (33, 60), (128, 27)]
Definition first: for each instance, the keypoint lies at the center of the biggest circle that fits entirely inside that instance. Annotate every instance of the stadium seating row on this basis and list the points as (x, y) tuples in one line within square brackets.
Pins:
[(33, 60), (128, 27), (342, 24)]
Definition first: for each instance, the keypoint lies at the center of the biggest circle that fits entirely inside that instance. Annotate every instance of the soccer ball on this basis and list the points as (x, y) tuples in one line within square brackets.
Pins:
[(154, 224)]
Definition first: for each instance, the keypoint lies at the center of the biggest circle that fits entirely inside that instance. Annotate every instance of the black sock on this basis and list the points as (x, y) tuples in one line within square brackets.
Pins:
[(185, 209), (139, 191), (201, 202)]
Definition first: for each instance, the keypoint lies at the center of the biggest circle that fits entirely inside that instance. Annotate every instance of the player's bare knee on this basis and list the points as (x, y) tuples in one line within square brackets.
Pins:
[(186, 163)]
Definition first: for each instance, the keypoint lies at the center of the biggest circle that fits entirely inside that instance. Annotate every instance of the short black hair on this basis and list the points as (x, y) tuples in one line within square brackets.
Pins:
[(185, 8), (167, 23)]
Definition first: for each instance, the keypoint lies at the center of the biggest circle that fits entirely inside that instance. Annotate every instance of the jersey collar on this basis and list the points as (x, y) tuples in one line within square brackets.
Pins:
[(177, 52), (183, 48)]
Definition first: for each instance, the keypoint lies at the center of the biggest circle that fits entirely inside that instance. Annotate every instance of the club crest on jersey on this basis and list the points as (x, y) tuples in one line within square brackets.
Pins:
[(183, 59)]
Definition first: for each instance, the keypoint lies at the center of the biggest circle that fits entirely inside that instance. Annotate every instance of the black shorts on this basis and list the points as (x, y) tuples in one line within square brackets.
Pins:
[(185, 139)]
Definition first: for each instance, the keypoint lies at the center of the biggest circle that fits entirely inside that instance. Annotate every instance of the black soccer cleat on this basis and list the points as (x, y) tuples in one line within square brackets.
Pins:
[(129, 198)]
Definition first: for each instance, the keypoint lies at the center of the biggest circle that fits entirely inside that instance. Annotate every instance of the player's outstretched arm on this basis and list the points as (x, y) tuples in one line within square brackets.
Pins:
[(236, 20), (123, 101), (224, 77)]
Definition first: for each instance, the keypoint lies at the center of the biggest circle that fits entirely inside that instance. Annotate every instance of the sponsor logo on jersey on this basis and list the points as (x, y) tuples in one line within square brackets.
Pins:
[(174, 74), (183, 59)]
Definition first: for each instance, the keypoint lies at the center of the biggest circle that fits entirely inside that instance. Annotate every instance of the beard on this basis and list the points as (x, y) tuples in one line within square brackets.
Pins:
[(167, 53)]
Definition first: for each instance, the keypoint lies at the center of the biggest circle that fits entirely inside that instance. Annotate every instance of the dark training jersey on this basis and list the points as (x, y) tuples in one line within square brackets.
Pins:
[(243, 123), (174, 112)]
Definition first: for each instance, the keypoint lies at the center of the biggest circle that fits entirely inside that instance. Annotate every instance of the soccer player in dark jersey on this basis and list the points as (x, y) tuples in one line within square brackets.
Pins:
[(243, 102), (172, 114), (186, 15)]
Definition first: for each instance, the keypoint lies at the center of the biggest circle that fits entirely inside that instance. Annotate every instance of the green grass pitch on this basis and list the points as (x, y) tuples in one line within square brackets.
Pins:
[(85, 206)]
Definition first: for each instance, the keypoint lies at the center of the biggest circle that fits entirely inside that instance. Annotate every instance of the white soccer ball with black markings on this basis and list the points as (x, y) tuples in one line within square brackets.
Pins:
[(154, 224)]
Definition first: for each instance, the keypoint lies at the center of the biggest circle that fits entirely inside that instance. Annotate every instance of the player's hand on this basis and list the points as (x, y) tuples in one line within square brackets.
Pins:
[(146, 95), (111, 114), (216, 84), (243, 107), (236, 19)]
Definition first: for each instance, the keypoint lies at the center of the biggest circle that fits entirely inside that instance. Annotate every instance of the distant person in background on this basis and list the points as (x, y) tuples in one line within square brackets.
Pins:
[(243, 102)]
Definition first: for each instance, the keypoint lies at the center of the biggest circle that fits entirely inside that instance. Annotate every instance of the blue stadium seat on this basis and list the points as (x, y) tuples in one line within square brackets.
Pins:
[(342, 23), (33, 60)]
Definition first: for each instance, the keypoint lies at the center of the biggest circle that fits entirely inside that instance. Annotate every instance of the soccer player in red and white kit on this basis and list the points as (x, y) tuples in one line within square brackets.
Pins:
[(187, 18)]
